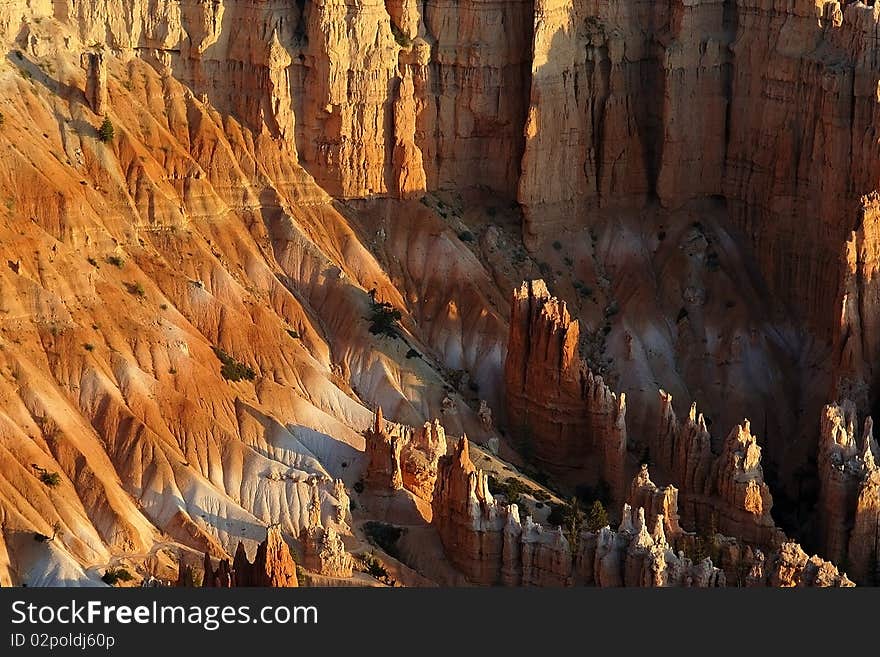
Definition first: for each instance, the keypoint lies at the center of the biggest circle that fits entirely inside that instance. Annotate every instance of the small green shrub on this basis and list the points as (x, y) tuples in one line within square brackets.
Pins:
[(384, 319), (293, 334), (88, 346), (557, 245), (412, 353), (51, 479), (116, 261), (92, 261), (231, 369), (114, 575), (374, 567), (466, 236), (511, 488), (403, 40)]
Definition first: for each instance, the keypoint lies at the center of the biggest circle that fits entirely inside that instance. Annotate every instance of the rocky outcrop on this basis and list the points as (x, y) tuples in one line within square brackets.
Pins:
[(657, 502), (849, 497), (96, 81), (401, 457), (565, 417), (857, 335), (864, 542), (722, 491), (323, 548), (273, 566), (792, 567)]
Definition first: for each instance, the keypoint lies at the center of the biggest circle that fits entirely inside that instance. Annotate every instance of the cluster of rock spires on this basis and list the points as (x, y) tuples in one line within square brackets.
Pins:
[(726, 490), (324, 553), (273, 566), (401, 457), (849, 498), (571, 416), (486, 540), (568, 418)]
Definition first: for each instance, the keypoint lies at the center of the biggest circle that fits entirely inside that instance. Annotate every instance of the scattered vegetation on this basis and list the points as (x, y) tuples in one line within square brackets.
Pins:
[(92, 261), (231, 369), (570, 517), (136, 289), (106, 132), (511, 488), (557, 245), (384, 536), (374, 567), (412, 353), (358, 487), (466, 236), (293, 334), (403, 39), (88, 346), (116, 261), (2, 119), (114, 575), (384, 318), (583, 289), (51, 479)]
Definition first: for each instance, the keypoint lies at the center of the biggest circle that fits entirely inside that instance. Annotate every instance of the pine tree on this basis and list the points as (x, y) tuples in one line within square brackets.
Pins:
[(106, 131), (597, 517)]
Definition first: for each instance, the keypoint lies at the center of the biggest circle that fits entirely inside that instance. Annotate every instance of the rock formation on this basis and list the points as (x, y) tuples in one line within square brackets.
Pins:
[(491, 545), (403, 457), (723, 490), (323, 549), (565, 417), (273, 566), (266, 170), (792, 567), (645, 494), (849, 499), (96, 81)]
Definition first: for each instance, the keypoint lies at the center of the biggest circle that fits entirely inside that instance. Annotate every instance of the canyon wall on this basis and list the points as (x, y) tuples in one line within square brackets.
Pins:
[(773, 111), (567, 106)]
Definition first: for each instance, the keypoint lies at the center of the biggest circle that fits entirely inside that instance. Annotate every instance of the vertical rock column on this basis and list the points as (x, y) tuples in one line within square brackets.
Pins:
[(568, 418), (96, 81)]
